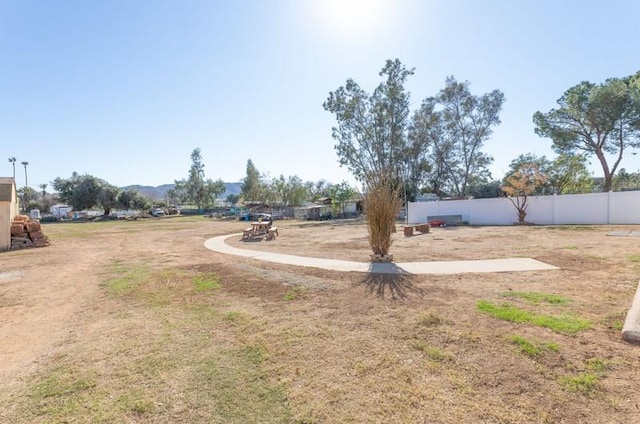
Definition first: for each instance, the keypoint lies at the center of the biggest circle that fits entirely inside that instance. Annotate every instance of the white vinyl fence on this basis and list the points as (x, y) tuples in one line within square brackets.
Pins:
[(594, 208)]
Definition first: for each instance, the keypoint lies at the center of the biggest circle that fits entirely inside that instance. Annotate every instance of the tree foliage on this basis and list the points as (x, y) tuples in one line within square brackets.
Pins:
[(566, 174), (197, 189), (626, 181), (372, 143), (521, 184), (371, 132), (457, 124), (340, 194), (596, 119), (251, 183), (86, 192), (132, 199)]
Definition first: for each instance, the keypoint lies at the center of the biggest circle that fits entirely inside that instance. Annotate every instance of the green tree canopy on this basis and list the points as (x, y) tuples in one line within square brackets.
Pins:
[(251, 183), (596, 119), (86, 192), (132, 199), (371, 133), (456, 124), (566, 174)]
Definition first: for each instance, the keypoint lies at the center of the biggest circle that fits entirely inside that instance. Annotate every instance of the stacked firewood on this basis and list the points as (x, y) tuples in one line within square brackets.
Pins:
[(27, 232)]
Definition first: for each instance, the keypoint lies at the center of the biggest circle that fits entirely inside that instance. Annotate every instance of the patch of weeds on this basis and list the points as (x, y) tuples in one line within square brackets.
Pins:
[(582, 383), (597, 365), (134, 401), (562, 324), (125, 277), (432, 352), (230, 386), (254, 353), (588, 381), (63, 394), (292, 293), (533, 349), (206, 281), (634, 258), (235, 317), (536, 297), (571, 247), (430, 320), (61, 382), (614, 321)]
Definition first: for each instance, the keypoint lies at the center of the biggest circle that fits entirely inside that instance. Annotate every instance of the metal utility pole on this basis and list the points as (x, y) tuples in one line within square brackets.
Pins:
[(26, 186)]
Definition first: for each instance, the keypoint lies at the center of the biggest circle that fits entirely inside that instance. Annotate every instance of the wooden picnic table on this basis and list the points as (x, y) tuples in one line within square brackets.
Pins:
[(260, 227)]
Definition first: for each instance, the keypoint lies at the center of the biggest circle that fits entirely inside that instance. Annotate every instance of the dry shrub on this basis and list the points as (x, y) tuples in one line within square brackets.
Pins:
[(382, 203)]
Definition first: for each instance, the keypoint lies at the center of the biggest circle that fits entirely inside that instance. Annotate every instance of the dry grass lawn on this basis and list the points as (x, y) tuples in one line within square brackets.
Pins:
[(138, 322)]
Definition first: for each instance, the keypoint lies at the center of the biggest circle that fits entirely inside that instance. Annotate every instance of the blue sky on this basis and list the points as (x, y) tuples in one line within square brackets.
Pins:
[(126, 89)]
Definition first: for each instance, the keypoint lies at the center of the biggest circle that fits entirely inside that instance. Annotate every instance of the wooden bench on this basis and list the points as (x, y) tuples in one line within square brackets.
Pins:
[(272, 233), (247, 233), (421, 228)]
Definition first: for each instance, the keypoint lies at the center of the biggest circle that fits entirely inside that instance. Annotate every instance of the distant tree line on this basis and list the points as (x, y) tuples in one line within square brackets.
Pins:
[(89, 192)]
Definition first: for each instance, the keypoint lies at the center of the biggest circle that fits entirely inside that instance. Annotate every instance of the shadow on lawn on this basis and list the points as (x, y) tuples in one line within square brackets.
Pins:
[(388, 278)]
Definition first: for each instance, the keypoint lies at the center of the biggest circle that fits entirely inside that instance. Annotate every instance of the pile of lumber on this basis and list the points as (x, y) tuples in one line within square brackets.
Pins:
[(26, 232)]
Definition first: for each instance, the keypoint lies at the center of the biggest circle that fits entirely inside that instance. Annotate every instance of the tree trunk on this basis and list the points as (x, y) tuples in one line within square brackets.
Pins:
[(605, 170)]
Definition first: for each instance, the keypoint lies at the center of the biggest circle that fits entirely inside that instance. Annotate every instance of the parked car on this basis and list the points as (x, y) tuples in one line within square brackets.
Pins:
[(157, 212)]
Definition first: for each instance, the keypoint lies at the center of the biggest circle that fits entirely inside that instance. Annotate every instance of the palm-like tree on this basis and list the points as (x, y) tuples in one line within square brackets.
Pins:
[(12, 161), (26, 185), (44, 189)]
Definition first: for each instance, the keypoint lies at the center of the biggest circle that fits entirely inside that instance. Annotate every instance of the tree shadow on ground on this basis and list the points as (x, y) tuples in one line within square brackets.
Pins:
[(388, 279)]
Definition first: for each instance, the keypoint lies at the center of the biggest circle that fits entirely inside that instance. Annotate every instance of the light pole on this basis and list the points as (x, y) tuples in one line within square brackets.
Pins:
[(26, 186), (13, 160)]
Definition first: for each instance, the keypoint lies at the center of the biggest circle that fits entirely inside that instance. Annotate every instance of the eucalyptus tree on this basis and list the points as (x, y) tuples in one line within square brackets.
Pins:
[(456, 124)]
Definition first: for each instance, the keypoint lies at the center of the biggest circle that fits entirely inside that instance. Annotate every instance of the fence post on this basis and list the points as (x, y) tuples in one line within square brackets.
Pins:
[(609, 196)]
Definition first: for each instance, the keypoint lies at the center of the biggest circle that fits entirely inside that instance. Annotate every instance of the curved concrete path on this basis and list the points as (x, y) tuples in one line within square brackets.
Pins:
[(217, 244)]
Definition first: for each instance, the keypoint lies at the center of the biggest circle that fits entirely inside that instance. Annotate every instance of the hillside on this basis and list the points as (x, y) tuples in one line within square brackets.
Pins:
[(159, 192)]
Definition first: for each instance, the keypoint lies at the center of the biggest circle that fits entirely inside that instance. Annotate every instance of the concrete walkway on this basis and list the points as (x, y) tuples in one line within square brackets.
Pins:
[(217, 244)]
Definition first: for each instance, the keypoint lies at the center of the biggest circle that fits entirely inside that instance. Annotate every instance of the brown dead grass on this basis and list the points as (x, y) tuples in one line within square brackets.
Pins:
[(106, 325)]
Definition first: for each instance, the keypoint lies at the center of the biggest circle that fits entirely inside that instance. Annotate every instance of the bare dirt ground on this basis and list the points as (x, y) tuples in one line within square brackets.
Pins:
[(346, 347)]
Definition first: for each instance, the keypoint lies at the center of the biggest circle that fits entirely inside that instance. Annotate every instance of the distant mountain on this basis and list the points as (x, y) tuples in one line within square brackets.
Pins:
[(159, 192)]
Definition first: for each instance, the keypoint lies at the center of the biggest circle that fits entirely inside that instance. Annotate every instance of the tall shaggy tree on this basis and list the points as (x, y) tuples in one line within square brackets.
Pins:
[(457, 124), (371, 141), (596, 119), (251, 183), (202, 192)]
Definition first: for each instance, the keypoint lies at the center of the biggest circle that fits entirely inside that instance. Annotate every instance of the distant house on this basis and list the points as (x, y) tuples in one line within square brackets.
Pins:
[(312, 211), (9, 207)]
